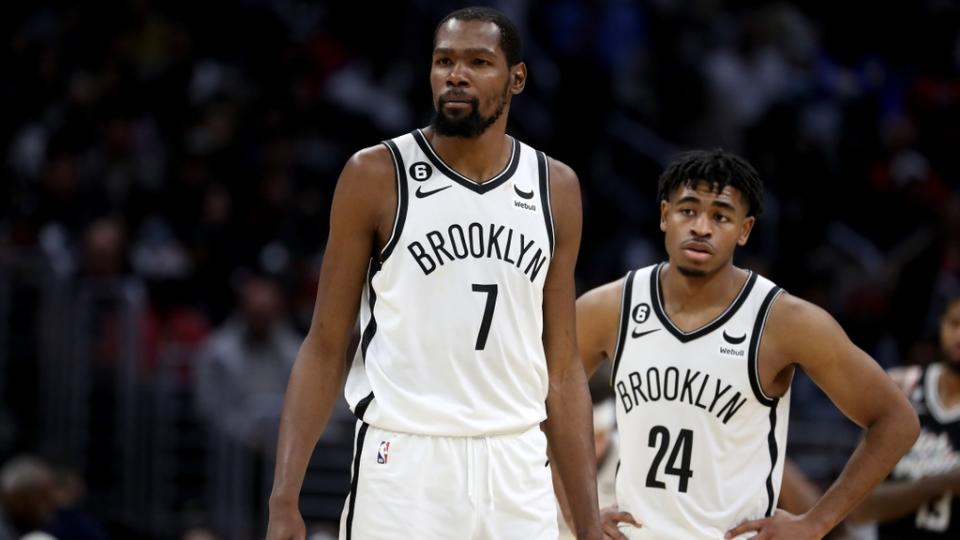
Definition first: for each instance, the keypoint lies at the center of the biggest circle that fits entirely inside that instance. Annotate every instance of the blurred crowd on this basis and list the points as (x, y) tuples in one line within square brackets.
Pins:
[(189, 151)]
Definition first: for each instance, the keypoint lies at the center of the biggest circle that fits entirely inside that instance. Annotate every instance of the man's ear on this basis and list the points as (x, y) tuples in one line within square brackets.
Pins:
[(518, 78), (664, 208), (745, 229)]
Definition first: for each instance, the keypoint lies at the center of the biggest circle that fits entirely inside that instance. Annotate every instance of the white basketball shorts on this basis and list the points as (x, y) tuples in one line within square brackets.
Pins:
[(449, 488)]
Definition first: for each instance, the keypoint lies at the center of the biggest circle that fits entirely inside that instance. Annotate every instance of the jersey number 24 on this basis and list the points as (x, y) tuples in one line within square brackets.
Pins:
[(682, 450)]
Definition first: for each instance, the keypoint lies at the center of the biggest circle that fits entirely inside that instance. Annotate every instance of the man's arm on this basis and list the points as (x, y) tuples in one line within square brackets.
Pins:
[(802, 334), (598, 322), (569, 424), (598, 314), (896, 499), (317, 378)]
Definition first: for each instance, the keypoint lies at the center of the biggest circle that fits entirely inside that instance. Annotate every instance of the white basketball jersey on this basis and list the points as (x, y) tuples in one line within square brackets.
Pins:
[(702, 446), (452, 312)]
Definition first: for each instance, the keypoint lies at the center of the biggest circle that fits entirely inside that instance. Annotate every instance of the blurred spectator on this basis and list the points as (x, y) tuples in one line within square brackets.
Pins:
[(199, 533), (71, 521), (27, 494), (242, 371), (104, 248)]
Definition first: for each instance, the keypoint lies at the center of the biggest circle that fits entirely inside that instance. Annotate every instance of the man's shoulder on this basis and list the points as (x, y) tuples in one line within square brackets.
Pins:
[(560, 173), (374, 158), (606, 294), (611, 294), (793, 309), (369, 170), (793, 319)]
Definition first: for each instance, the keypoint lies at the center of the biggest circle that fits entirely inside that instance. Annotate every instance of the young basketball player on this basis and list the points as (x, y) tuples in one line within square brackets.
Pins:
[(703, 355)]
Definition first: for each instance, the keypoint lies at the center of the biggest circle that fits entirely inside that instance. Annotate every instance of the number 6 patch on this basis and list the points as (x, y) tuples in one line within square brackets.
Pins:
[(420, 171)]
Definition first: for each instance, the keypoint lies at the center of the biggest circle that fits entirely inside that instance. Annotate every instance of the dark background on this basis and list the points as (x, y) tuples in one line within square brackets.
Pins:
[(166, 170)]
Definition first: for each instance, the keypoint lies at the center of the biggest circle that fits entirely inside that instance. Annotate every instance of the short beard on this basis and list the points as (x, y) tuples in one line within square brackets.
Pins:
[(691, 272), (469, 126)]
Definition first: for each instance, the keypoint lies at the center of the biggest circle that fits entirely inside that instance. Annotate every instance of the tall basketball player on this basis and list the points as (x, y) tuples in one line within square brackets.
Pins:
[(920, 499), (703, 354), (457, 244)]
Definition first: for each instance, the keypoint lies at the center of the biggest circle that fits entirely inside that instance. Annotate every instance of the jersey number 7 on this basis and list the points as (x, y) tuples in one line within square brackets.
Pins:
[(491, 291)]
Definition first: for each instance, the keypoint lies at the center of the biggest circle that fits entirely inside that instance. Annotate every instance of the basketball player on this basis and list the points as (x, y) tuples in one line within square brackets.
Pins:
[(918, 501), (467, 318), (703, 354)]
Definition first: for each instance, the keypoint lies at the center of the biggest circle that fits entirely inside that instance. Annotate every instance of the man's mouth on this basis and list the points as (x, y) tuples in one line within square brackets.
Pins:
[(698, 251)]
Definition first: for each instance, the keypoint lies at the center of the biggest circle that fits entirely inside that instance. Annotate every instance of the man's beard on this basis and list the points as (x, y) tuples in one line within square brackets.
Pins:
[(469, 126), (691, 272)]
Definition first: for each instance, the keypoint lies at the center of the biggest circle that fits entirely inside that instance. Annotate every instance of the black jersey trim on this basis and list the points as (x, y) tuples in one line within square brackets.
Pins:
[(468, 183), (361, 408), (361, 435), (753, 353), (371, 328), (543, 168), (401, 214), (657, 295), (774, 452), (625, 300)]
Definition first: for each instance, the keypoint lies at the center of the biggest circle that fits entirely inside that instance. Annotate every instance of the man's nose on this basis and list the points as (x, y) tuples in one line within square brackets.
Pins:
[(457, 75), (701, 226)]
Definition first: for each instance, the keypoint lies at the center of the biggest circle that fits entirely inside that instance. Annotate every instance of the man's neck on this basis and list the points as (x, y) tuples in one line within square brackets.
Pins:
[(479, 158), (683, 293)]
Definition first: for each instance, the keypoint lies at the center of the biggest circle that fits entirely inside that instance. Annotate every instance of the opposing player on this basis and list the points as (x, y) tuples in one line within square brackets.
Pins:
[(919, 500), (457, 243), (703, 355)]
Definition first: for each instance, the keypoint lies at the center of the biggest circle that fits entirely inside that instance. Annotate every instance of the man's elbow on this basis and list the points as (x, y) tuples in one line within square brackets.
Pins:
[(906, 425), (912, 427)]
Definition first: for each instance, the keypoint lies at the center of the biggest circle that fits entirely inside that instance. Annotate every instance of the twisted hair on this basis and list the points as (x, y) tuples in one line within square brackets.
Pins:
[(718, 168)]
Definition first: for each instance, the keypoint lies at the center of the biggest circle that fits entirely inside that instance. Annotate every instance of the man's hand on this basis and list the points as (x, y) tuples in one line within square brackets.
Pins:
[(611, 517), (781, 526), (286, 523)]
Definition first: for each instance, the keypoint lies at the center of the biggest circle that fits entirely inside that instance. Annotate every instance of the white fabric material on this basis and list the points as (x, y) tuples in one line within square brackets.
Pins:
[(431, 300), (470, 488), (695, 437)]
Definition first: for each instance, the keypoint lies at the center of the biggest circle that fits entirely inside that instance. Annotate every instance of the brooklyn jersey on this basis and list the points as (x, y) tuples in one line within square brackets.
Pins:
[(702, 446), (937, 450), (452, 311)]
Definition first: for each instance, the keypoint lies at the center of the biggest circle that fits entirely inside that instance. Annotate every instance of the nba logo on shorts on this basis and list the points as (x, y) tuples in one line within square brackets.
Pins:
[(382, 452)]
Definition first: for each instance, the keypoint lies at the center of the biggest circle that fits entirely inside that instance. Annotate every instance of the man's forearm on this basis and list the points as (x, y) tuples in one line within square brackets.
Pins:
[(569, 430), (314, 386), (882, 446), (896, 499)]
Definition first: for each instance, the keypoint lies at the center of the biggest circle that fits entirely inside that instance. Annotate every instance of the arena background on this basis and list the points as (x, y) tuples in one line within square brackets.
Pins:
[(166, 171)]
